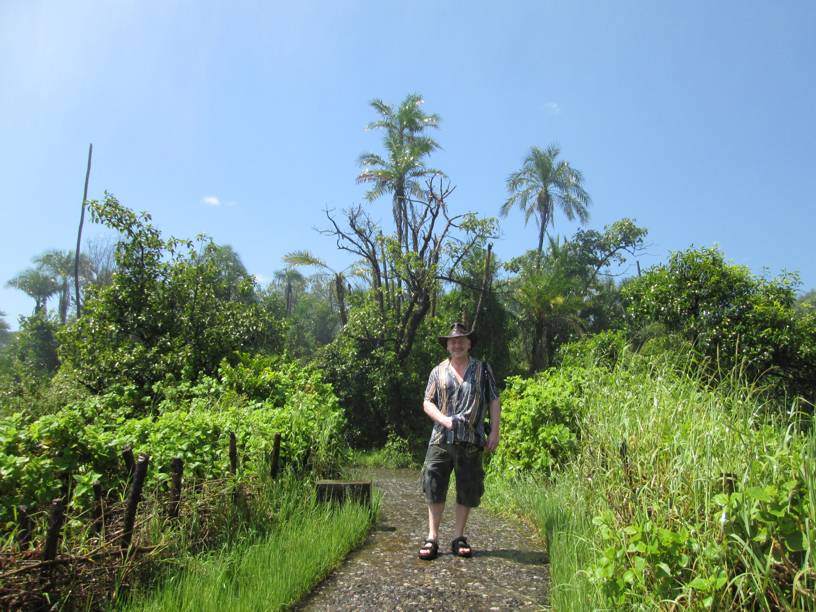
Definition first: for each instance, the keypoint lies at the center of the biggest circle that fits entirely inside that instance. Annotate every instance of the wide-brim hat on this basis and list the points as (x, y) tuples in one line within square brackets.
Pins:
[(458, 330)]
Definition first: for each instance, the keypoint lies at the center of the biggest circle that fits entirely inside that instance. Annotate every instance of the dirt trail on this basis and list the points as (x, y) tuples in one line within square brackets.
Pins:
[(508, 570)]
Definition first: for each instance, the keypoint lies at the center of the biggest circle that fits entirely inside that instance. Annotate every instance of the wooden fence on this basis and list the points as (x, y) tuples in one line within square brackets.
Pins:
[(35, 578)]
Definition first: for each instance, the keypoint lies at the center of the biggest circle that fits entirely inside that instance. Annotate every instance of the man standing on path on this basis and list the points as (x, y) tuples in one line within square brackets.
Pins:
[(459, 392)]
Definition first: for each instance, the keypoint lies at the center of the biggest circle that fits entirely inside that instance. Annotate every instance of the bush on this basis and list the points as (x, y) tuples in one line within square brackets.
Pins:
[(699, 497), (603, 349), (539, 425), (732, 317), (254, 399)]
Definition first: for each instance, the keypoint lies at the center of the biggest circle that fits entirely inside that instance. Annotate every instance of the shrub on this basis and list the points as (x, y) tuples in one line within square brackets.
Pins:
[(254, 399), (540, 420)]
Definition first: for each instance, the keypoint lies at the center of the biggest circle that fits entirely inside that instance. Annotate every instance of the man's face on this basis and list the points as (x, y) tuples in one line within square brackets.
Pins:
[(458, 346)]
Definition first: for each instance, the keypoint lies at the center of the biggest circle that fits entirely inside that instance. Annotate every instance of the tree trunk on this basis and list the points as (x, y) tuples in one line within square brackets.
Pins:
[(79, 233), (340, 288), (538, 360)]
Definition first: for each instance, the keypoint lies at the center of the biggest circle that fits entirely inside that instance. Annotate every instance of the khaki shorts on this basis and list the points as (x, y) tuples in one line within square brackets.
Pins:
[(465, 460)]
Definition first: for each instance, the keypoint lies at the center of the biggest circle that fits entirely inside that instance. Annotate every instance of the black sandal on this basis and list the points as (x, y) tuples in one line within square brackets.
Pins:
[(458, 544), (431, 550)]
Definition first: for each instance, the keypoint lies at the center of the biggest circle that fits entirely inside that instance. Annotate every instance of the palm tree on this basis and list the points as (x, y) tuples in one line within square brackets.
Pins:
[(543, 183), (288, 278), (406, 145), (60, 265), (306, 259), (544, 300), (37, 284)]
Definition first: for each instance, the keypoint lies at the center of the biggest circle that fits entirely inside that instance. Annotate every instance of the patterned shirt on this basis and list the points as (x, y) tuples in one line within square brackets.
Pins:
[(467, 402)]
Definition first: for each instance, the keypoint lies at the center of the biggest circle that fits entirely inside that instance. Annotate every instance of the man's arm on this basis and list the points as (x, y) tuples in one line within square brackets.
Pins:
[(495, 419), (436, 414)]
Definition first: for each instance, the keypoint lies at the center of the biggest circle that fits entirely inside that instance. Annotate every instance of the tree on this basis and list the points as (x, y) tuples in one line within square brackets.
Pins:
[(807, 301), (37, 284), (545, 300), (232, 274), (402, 170), (5, 333), (60, 265), (543, 184), (569, 290), (292, 282), (169, 312), (730, 316), (306, 259)]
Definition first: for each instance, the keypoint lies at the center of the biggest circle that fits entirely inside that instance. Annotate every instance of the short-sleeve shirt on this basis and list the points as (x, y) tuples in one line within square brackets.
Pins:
[(468, 401)]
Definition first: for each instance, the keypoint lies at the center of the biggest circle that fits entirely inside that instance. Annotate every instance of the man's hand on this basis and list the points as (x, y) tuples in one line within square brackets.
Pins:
[(447, 422), (492, 441)]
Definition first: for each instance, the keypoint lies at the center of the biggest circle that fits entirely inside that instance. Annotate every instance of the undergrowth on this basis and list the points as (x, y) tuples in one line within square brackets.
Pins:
[(678, 495)]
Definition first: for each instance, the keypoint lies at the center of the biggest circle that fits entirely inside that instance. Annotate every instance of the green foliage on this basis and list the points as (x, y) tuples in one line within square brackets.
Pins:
[(701, 497), (5, 333), (395, 454), (539, 421), (26, 364), (559, 295), (171, 309), (36, 344), (363, 375), (731, 316), (604, 349), (543, 184), (254, 399)]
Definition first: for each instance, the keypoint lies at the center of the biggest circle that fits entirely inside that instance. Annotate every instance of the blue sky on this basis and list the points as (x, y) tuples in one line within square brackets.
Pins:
[(694, 118)]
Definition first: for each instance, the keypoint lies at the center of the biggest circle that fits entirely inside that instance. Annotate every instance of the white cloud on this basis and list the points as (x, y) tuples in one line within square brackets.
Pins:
[(261, 279), (552, 108), (211, 200)]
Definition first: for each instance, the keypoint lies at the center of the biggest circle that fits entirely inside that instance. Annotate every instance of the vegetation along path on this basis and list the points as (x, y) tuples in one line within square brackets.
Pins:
[(508, 569)]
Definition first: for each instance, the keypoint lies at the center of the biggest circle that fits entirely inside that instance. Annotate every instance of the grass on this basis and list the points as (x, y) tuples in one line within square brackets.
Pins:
[(270, 574), (566, 529), (655, 444)]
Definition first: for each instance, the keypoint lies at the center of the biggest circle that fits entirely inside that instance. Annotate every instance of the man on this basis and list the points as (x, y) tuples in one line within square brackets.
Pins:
[(458, 393)]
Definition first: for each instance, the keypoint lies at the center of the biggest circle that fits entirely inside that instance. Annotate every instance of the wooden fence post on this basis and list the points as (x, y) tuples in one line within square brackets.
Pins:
[(98, 512), (56, 516), (23, 527), (133, 499), (275, 456), (233, 454), (130, 462), (176, 472)]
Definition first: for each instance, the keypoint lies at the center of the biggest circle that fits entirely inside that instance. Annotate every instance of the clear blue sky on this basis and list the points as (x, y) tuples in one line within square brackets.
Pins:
[(695, 118)]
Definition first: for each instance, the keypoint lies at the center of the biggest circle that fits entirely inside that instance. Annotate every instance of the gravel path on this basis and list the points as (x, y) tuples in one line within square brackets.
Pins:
[(508, 571)]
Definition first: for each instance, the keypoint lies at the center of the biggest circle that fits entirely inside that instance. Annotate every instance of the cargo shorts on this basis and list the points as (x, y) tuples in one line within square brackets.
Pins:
[(465, 460)]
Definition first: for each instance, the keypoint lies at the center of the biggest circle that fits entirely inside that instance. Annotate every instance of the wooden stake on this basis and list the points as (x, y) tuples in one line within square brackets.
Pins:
[(134, 498), (23, 527), (176, 472), (56, 516), (98, 516), (275, 455), (233, 454)]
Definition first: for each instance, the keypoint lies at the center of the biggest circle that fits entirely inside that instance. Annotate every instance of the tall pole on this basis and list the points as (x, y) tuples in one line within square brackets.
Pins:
[(79, 233)]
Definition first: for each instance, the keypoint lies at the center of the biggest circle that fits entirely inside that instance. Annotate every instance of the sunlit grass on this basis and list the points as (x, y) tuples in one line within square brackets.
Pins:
[(655, 445), (271, 574)]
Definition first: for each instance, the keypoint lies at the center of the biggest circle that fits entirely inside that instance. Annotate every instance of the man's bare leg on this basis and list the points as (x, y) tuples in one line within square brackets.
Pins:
[(434, 518), (462, 513)]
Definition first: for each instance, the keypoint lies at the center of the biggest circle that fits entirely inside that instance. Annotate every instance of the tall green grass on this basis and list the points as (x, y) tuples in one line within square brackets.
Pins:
[(681, 495), (270, 574)]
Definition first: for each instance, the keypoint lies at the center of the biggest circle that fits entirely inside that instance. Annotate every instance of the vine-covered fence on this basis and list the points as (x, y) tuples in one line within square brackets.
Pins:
[(102, 554)]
